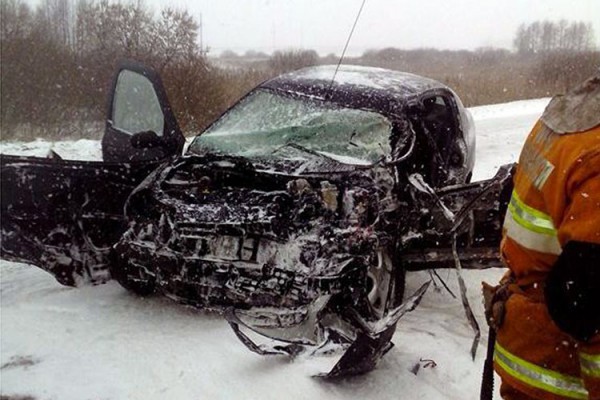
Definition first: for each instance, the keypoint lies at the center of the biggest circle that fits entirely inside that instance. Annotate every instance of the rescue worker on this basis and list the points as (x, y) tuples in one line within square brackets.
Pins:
[(546, 310)]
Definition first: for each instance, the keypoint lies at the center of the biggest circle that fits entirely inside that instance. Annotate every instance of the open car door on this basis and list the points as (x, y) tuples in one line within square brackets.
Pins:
[(140, 124), (64, 215)]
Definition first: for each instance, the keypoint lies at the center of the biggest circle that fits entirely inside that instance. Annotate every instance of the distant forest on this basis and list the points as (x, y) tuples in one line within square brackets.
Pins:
[(57, 60)]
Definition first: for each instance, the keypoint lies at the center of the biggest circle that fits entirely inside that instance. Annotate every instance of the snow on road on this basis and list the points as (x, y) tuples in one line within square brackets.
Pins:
[(82, 149), (501, 130), (105, 343)]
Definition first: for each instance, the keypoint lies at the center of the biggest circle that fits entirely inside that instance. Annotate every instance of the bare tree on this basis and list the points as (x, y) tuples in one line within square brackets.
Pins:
[(57, 17), (550, 36), (174, 37), (16, 19)]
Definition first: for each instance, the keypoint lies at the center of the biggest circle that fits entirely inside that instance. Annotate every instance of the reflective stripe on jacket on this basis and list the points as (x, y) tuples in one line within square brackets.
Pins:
[(556, 199), (590, 364), (530, 228), (551, 381)]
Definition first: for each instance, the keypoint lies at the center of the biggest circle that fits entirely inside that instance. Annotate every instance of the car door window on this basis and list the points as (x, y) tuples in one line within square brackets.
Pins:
[(136, 107), (439, 153), (439, 122)]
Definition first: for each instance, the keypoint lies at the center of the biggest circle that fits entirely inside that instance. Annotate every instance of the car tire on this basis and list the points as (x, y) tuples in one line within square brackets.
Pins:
[(132, 278), (385, 283)]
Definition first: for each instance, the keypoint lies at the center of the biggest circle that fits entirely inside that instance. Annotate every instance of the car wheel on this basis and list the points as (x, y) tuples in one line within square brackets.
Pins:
[(385, 283)]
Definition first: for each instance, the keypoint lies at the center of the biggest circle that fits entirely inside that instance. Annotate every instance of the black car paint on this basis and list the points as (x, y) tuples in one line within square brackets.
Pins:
[(64, 215), (343, 220)]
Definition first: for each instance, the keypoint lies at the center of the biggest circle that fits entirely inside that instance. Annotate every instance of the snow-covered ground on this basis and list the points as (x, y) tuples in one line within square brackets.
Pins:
[(105, 343)]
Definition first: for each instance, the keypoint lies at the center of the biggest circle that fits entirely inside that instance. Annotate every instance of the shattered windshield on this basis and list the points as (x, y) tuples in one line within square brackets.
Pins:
[(267, 124)]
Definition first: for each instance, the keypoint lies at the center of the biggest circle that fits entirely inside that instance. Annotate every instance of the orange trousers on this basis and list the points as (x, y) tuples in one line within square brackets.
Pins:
[(507, 392), (529, 333)]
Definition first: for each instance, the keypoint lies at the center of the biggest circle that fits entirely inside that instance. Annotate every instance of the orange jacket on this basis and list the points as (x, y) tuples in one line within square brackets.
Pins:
[(556, 199)]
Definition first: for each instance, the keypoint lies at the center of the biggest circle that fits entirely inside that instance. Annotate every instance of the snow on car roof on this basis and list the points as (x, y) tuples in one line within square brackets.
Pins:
[(378, 79), (377, 89)]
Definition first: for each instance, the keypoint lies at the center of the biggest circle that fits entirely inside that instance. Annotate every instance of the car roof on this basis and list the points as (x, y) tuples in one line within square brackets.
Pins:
[(356, 86)]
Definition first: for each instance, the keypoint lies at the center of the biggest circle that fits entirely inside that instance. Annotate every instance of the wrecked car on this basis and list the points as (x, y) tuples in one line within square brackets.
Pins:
[(296, 213)]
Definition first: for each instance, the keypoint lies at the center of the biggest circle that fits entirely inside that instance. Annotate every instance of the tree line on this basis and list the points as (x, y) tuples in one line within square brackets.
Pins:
[(57, 60), (549, 36)]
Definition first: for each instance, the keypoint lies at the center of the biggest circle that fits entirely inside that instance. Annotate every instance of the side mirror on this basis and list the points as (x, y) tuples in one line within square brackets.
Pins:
[(146, 140)]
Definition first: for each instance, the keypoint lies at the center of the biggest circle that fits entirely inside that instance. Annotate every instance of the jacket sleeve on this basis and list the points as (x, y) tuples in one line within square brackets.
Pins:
[(581, 219)]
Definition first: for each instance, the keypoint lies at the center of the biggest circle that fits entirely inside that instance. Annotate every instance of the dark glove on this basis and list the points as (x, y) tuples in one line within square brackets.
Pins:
[(573, 290), (494, 300)]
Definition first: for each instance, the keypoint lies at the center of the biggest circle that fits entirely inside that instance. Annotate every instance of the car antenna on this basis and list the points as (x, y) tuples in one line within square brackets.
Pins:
[(344, 51)]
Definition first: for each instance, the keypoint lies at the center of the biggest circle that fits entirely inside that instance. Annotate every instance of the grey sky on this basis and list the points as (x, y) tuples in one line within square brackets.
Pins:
[(323, 25)]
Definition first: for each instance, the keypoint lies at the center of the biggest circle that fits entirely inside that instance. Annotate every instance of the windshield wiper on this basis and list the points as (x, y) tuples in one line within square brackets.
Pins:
[(350, 142)]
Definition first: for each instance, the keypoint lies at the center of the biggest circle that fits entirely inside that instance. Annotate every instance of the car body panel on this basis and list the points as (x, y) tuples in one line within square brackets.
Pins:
[(64, 215)]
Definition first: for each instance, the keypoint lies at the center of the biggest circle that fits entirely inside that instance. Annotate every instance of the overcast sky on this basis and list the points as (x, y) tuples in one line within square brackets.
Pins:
[(323, 25)]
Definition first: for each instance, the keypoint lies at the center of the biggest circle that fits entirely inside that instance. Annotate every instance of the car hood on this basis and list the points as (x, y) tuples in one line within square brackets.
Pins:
[(233, 191)]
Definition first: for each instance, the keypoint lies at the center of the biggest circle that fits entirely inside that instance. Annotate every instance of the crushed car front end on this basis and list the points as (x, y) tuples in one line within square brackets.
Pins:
[(290, 211), (279, 249)]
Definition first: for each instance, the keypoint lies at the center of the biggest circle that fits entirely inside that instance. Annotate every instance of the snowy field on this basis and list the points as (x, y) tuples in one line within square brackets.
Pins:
[(105, 343)]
